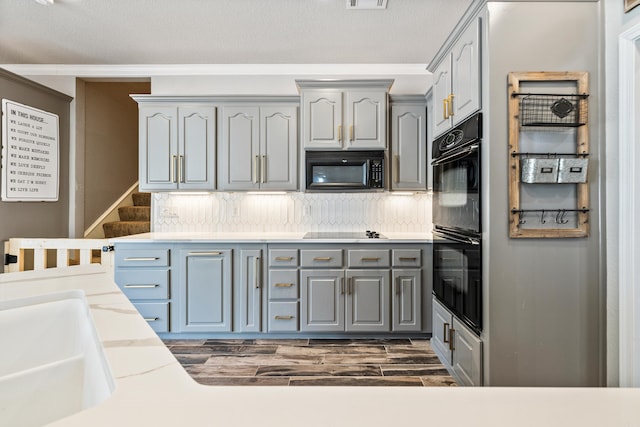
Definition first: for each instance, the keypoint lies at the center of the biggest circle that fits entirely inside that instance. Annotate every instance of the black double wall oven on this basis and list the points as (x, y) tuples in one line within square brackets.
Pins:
[(456, 210)]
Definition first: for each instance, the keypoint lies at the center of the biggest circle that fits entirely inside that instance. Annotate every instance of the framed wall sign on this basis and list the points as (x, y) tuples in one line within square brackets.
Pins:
[(630, 4), (30, 154)]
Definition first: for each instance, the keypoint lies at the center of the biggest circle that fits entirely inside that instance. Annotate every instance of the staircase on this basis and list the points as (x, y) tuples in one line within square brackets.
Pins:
[(134, 219)]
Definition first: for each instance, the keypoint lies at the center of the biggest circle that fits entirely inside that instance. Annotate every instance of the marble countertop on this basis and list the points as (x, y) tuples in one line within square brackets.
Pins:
[(152, 389), (268, 237)]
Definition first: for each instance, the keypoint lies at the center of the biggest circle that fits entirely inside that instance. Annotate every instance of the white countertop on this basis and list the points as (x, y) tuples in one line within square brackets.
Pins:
[(152, 389), (268, 237)]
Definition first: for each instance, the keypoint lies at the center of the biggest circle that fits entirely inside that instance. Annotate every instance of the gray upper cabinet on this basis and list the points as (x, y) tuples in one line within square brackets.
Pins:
[(409, 143), (176, 147), (258, 148), (344, 115), (456, 81)]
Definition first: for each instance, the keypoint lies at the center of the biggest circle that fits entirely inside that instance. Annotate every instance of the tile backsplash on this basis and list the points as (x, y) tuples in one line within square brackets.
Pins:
[(290, 212)]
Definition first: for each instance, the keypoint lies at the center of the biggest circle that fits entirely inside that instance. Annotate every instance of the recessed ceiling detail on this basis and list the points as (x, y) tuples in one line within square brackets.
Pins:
[(366, 4)]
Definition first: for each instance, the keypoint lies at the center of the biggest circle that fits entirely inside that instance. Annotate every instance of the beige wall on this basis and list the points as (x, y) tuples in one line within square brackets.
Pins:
[(111, 143), (38, 219)]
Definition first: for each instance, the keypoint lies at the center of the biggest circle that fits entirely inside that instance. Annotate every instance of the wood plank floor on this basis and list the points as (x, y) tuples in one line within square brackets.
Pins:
[(299, 362)]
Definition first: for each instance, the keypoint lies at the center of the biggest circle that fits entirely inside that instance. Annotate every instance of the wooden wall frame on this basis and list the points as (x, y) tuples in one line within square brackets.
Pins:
[(516, 230)]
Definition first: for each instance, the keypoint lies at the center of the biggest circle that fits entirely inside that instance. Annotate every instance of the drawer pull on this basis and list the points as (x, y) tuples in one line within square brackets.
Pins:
[(151, 319), (406, 258), (278, 317), (372, 259), (283, 285), (323, 258), (204, 253), (284, 258), (154, 258), (140, 286)]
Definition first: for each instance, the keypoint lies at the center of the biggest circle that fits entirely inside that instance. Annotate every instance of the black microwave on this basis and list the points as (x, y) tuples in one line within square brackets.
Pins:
[(345, 170)]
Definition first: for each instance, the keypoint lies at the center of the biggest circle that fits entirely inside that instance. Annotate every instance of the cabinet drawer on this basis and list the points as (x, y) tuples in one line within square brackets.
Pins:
[(283, 258), (156, 314), (283, 316), (283, 284), (318, 258), (407, 257), (144, 283), (368, 258), (142, 257)]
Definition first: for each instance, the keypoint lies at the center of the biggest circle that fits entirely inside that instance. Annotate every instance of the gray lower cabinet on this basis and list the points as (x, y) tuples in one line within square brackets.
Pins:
[(248, 304), (284, 291), (322, 297), (143, 274), (206, 287), (459, 349), (367, 301)]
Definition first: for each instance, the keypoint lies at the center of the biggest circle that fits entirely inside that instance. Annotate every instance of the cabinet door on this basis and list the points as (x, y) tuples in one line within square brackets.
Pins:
[(322, 300), (366, 120), (409, 147), (322, 120), (466, 355), (239, 148), (367, 301), (206, 285), (278, 148), (441, 91), (407, 297), (158, 148), (442, 320), (249, 304), (465, 78), (196, 142)]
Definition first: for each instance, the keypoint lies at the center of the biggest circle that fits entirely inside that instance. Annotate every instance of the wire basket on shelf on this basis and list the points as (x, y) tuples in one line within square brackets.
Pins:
[(553, 110)]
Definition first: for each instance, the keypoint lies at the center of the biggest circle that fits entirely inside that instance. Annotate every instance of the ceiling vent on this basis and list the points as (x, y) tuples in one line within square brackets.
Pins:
[(367, 4)]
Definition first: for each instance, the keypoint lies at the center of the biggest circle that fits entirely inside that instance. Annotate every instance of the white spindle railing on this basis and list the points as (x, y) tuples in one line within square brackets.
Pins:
[(68, 252)]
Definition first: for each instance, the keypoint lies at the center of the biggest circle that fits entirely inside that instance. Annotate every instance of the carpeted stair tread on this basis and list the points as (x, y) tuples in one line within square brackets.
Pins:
[(141, 199), (135, 213), (125, 228)]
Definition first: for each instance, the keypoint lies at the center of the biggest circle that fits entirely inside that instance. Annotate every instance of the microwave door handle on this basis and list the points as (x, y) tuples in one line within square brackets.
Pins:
[(457, 155)]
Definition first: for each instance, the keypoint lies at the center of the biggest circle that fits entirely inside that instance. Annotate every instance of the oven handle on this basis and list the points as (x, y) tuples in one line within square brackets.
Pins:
[(457, 155), (456, 237)]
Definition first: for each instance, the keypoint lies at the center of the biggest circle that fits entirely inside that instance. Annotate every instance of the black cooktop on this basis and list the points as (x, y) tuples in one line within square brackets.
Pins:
[(345, 235)]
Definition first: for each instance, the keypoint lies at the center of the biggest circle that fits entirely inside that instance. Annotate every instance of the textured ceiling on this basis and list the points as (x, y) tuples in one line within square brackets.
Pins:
[(223, 31)]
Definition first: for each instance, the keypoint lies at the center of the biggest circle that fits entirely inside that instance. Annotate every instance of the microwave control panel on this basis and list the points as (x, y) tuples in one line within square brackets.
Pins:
[(377, 173)]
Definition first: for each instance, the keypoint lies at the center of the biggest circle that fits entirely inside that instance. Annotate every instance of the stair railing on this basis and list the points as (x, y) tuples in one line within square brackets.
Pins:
[(23, 254)]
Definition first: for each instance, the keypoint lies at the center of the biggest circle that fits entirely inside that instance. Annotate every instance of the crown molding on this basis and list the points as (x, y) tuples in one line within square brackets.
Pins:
[(152, 70)]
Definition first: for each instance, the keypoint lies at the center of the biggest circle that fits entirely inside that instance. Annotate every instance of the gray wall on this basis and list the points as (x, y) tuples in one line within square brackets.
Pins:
[(38, 219), (111, 143), (544, 296)]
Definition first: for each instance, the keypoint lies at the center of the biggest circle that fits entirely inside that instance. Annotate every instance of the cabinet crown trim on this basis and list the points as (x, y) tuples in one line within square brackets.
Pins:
[(208, 99), (351, 84)]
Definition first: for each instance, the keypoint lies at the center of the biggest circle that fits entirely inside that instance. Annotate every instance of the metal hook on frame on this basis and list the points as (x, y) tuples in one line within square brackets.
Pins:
[(542, 214), (560, 216)]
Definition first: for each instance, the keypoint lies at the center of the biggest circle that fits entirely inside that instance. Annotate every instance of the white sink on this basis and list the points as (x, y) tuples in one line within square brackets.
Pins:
[(51, 363)]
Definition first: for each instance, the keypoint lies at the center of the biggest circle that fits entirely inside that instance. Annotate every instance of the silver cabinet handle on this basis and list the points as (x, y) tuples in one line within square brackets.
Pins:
[(140, 286), (174, 159), (263, 169), (155, 258), (181, 169), (283, 285), (398, 285), (445, 327), (151, 319), (404, 258), (396, 169), (342, 285), (452, 346), (325, 258), (256, 273), (256, 169), (349, 286), (284, 258), (279, 317), (204, 253), (370, 259)]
